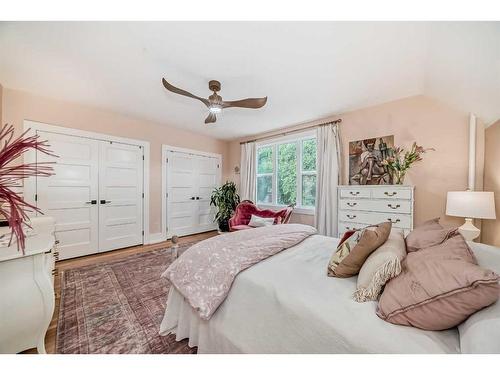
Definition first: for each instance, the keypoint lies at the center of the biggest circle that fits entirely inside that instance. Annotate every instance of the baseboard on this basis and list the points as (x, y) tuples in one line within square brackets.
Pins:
[(156, 237)]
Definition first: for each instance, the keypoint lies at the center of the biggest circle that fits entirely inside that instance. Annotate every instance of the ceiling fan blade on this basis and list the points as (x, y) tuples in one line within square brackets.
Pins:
[(246, 103), (179, 91), (211, 118)]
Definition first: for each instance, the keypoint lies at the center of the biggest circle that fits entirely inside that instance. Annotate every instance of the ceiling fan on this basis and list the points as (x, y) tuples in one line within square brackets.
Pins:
[(214, 103)]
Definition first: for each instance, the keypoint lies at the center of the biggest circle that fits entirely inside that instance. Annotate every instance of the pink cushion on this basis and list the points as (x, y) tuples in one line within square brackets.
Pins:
[(241, 227), (427, 234), (439, 287)]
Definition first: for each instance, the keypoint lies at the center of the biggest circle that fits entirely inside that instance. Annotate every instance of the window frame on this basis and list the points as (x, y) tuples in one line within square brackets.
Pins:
[(298, 139)]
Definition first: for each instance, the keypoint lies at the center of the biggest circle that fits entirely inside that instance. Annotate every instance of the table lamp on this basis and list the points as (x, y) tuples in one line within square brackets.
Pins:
[(471, 205)]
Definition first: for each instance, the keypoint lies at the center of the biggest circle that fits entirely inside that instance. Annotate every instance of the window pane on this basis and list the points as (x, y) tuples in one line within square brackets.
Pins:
[(265, 160), (308, 190), (309, 155), (265, 189), (287, 173)]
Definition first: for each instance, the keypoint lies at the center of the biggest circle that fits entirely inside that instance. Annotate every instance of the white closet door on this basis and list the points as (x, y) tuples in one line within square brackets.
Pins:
[(190, 179), (120, 195), (181, 200), (208, 179), (70, 196)]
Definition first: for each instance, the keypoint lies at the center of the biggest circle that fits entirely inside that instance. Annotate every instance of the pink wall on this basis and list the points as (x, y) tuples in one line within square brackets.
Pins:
[(491, 228), (1, 104), (19, 106), (427, 121)]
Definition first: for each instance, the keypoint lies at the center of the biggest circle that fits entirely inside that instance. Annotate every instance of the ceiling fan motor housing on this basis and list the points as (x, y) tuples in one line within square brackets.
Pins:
[(214, 85)]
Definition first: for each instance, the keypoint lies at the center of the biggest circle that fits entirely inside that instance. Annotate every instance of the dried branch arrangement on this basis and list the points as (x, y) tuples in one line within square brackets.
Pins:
[(12, 205)]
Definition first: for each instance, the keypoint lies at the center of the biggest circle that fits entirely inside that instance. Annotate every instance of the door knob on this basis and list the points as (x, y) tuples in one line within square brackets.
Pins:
[(93, 201)]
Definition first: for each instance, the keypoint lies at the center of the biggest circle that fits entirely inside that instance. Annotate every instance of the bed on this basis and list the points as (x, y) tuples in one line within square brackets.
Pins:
[(287, 304)]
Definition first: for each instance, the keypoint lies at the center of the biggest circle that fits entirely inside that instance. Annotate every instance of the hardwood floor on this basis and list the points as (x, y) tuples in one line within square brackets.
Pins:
[(61, 266)]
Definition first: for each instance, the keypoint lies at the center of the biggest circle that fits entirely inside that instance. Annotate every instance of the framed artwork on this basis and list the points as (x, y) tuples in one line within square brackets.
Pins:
[(365, 161)]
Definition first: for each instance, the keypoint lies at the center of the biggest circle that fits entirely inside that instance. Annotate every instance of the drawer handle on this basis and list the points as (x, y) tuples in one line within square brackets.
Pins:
[(390, 194), (393, 221), (55, 272), (351, 216), (393, 207), (351, 204), (354, 192)]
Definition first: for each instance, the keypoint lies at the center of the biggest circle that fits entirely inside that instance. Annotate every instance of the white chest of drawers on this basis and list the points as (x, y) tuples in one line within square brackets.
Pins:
[(360, 206), (27, 290)]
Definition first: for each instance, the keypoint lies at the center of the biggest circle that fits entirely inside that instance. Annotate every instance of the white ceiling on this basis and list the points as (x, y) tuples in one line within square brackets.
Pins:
[(308, 70)]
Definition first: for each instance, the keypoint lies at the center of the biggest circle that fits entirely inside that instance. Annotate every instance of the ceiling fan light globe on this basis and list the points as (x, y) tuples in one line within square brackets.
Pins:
[(215, 109)]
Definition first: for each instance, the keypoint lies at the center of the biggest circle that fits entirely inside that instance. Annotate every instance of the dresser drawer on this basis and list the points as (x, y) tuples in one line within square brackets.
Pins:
[(355, 193), (392, 193), (344, 227), (382, 205), (398, 220)]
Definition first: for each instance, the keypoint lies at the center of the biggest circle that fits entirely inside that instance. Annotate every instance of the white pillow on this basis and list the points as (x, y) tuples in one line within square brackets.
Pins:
[(381, 266), (480, 333), (257, 221)]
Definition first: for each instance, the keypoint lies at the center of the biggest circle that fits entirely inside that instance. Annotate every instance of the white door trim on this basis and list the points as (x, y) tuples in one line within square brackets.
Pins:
[(30, 183), (164, 187)]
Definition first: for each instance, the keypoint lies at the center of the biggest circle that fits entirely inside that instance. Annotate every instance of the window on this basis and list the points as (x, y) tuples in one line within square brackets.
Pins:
[(286, 172)]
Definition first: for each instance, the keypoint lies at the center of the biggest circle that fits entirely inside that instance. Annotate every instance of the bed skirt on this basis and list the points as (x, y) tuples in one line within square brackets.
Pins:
[(181, 320)]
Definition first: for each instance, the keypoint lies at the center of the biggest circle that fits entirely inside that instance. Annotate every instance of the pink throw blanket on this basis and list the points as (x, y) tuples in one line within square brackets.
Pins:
[(205, 272)]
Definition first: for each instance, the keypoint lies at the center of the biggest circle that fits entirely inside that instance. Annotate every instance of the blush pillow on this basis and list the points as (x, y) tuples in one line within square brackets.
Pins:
[(381, 266), (438, 288), (351, 255), (429, 233)]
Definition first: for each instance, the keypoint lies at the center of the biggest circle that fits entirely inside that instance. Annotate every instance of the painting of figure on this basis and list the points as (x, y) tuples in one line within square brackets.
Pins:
[(365, 161)]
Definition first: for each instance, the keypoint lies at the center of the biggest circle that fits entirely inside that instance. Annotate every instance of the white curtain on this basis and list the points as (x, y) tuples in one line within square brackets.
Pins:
[(328, 177), (248, 171)]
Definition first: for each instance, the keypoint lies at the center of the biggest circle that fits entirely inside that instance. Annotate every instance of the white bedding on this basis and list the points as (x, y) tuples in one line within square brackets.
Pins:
[(287, 304)]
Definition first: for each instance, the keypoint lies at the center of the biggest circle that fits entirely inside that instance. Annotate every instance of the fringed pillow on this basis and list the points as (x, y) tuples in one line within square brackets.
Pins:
[(352, 253), (381, 266)]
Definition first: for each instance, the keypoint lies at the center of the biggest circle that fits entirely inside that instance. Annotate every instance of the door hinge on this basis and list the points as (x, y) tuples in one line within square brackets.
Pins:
[(36, 197), (217, 165), (142, 157), (142, 233), (167, 160), (142, 195)]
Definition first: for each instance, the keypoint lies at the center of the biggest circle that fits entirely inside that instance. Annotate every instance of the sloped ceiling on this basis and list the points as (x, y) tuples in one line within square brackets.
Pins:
[(307, 70)]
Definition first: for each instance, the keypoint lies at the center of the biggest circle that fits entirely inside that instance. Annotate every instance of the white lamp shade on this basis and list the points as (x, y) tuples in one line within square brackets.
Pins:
[(473, 204)]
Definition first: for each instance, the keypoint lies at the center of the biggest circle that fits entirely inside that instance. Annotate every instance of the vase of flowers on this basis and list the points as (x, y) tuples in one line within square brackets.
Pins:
[(400, 161)]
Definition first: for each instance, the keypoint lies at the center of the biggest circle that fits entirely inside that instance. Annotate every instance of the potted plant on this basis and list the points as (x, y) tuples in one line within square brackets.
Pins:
[(400, 161), (225, 199)]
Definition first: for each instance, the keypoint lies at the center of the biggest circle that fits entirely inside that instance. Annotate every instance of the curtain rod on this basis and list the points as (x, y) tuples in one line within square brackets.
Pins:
[(338, 121)]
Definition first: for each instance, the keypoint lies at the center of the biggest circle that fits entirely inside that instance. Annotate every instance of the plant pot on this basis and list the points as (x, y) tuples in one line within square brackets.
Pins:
[(224, 226)]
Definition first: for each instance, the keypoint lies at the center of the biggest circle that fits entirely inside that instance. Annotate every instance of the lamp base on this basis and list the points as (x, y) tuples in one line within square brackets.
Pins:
[(468, 230)]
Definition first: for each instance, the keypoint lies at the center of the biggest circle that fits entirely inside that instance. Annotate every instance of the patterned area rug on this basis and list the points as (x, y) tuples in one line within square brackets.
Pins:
[(117, 307)]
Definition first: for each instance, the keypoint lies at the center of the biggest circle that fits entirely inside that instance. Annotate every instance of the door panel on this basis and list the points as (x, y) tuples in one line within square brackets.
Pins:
[(64, 195), (181, 189), (120, 195), (208, 176), (190, 176)]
